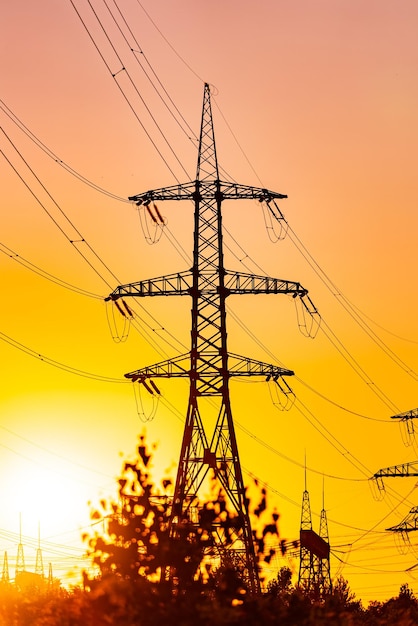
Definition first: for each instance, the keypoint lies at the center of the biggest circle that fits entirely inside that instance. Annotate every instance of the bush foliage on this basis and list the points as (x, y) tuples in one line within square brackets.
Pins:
[(135, 546)]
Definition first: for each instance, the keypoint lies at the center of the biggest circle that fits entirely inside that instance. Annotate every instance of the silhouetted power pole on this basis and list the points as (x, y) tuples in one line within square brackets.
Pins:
[(208, 365)]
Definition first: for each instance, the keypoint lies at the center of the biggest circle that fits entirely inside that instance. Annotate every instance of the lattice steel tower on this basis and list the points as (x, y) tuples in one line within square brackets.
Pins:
[(314, 567), (208, 365)]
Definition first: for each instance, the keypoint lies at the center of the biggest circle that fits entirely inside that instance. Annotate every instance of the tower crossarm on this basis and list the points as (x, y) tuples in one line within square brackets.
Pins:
[(208, 190), (177, 284), (407, 415), (181, 284), (408, 524), (179, 367), (243, 366), (238, 282), (405, 469)]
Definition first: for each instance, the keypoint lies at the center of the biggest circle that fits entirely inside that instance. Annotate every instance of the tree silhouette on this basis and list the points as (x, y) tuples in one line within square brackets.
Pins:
[(136, 545)]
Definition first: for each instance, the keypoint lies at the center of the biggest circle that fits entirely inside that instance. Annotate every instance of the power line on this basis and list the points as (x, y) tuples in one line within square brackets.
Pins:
[(169, 44), (57, 364), (77, 237), (13, 117), (114, 76), (18, 258), (193, 137)]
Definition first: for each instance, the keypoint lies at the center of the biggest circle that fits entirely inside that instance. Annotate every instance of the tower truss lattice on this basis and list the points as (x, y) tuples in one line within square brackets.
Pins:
[(314, 567), (208, 365)]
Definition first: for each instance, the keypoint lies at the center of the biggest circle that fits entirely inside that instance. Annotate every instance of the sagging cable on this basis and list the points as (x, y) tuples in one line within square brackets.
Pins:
[(377, 487), (272, 218), (308, 317), (152, 226), (145, 416), (119, 324), (284, 397)]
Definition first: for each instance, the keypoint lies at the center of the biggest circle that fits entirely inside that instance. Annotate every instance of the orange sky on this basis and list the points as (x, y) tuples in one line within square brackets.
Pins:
[(315, 100)]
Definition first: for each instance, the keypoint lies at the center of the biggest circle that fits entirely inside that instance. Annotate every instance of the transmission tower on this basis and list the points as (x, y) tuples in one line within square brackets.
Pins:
[(39, 565), (407, 419), (403, 470), (5, 578), (20, 560), (409, 523), (50, 576), (314, 567), (208, 365)]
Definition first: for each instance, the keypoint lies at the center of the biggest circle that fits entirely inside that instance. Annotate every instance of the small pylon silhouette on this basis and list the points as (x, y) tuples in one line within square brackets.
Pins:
[(314, 568), (5, 578)]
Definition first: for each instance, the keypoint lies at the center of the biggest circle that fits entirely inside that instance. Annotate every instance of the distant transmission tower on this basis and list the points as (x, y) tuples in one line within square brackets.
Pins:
[(404, 470), (39, 565), (208, 365), (20, 561), (407, 418), (50, 576), (314, 568), (5, 578)]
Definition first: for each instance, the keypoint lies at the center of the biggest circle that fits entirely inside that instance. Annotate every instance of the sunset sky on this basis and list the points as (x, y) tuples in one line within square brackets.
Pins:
[(316, 100)]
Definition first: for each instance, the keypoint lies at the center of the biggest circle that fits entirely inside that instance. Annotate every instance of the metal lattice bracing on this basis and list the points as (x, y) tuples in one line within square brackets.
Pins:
[(398, 471), (409, 523), (406, 415), (5, 577), (314, 566), (324, 566), (208, 366), (306, 557)]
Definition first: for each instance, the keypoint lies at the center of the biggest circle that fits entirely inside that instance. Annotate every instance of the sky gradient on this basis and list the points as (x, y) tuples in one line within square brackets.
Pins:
[(314, 100)]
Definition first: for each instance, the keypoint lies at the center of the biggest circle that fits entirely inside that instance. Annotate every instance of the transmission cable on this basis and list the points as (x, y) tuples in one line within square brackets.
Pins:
[(168, 43), (58, 364), (275, 359), (378, 325), (71, 241), (192, 135), (358, 369), (51, 452), (328, 282), (339, 406), (13, 117), (44, 274), (114, 75), (350, 309), (115, 51), (293, 461), (345, 303)]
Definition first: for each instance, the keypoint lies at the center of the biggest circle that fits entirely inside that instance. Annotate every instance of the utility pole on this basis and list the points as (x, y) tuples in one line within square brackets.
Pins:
[(208, 365)]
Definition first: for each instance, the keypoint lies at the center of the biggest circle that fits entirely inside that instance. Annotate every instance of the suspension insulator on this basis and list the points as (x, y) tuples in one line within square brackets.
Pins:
[(147, 387), (154, 386), (160, 217), (152, 216), (119, 308), (128, 309)]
